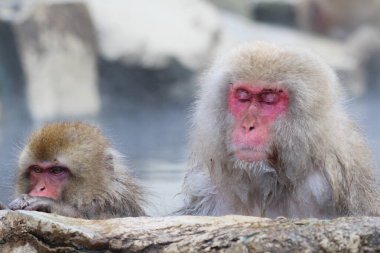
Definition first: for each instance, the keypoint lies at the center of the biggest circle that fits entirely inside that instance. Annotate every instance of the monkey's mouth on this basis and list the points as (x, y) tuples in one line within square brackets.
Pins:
[(250, 154)]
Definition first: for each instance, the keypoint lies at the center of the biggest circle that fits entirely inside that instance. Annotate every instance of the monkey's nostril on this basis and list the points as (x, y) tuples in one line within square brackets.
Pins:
[(43, 188), (247, 129)]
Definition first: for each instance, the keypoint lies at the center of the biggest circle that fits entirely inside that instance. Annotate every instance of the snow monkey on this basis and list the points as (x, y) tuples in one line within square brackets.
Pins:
[(71, 169), (270, 138)]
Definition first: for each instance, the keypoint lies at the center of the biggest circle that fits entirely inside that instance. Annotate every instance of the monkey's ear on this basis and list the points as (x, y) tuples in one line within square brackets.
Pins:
[(115, 159), (109, 159)]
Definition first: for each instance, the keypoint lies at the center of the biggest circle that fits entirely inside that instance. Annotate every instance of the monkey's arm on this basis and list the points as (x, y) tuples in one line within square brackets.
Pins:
[(43, 204)]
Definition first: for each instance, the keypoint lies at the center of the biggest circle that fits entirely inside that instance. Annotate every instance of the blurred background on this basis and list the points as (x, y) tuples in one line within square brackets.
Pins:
[(132, 67)]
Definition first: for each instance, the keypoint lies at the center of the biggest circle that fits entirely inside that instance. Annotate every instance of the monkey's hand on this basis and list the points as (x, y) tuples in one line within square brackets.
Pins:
[(26, 202), (43, 204)]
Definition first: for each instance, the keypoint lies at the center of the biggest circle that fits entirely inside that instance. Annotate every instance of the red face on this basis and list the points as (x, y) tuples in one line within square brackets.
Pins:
[(47, 179), (254, 109)]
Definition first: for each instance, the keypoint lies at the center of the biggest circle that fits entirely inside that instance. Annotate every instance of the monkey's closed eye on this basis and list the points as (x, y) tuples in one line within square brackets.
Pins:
[(243, 95), (269, 97)]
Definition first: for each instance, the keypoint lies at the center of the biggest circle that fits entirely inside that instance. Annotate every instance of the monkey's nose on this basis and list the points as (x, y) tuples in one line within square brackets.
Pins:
[(248, 124), (247, 129)]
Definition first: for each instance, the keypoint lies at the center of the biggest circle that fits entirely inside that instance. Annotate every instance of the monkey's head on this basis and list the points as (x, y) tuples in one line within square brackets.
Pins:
[(258, 101), (64, 156)]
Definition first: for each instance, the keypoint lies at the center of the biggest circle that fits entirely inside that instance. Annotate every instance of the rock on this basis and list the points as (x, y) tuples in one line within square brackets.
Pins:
[(150, 50), (12, 79), (338, 18), (24, 231), (280, 12), (355, 23), (152, 34), (364, 45), (57, 48), (122, 84), (241, 7)]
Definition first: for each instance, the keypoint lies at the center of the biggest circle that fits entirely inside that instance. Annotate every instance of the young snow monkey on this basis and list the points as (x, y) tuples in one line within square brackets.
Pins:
[(271, 138), (71, 169)]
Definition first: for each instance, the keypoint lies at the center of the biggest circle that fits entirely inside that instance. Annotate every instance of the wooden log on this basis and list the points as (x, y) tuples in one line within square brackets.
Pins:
[(23, 231)]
